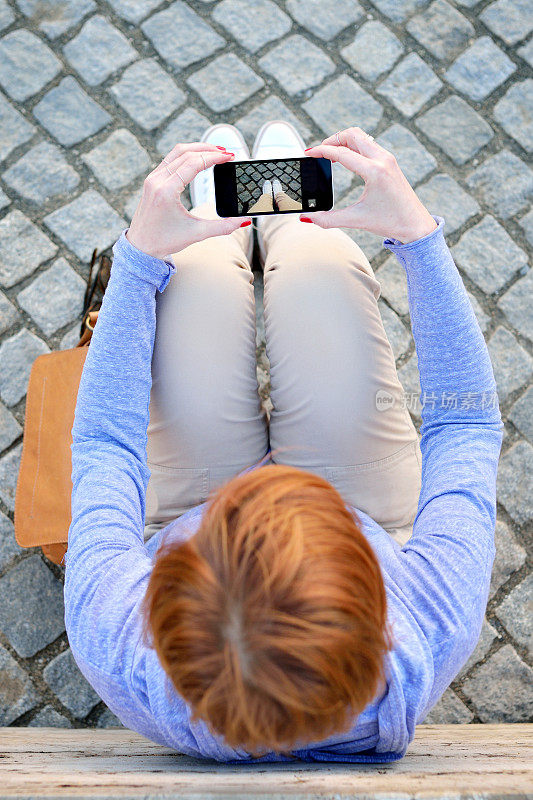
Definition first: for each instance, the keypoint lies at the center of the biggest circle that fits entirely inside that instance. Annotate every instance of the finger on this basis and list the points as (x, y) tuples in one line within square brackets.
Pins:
[(180, 149), (188, 165), (214, 227), (339, 218), (348, 158), (355, 139)]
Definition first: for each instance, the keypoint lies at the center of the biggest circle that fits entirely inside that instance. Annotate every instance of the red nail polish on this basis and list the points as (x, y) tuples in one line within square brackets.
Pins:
[(227, 153), (244, 224), (308, 148), (220, 148), (305, 219)]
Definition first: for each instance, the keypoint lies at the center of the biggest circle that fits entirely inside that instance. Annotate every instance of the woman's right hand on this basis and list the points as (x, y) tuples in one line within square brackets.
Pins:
[(388, 205)]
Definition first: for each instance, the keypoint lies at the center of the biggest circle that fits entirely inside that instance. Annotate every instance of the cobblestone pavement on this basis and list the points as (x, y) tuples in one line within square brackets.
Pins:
[(94, 93)]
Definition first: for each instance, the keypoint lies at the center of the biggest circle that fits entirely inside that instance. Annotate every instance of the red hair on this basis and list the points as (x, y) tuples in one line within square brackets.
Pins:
[(270, 621)]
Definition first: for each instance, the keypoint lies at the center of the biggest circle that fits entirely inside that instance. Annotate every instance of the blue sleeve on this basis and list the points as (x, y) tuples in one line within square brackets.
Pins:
[(448, 560), (107, 566)]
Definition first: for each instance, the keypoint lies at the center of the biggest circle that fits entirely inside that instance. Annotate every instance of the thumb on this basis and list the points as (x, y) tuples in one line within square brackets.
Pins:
[(220, 227), (339, 218)]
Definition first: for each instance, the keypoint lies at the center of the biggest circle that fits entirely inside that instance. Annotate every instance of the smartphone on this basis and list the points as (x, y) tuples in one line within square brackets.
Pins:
[(279, 186)]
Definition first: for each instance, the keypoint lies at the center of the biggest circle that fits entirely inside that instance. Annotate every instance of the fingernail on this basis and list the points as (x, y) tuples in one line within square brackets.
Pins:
[(227, 153), (305, 219), (248, 222), (309, 148), (220, 148)]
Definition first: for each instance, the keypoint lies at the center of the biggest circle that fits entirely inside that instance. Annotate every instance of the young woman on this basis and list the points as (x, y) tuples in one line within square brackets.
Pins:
[(281, 618)]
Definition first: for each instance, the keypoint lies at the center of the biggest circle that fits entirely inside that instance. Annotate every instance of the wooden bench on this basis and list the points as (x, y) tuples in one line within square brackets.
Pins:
[(466, 761)]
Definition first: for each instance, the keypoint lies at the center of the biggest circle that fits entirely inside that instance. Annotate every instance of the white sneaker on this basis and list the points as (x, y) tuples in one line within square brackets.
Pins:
[(202, 188), (276, 186), (267, 188), (278, 139)]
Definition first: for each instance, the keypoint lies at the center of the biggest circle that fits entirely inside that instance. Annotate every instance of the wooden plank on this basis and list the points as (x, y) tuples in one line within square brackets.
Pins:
[(468, 761)]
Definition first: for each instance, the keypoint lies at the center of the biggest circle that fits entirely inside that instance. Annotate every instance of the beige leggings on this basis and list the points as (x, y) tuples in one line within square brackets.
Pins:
[(329, 357), (283, 202)]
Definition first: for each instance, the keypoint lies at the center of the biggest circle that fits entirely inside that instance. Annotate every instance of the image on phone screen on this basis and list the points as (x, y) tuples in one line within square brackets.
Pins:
[(278, 186)]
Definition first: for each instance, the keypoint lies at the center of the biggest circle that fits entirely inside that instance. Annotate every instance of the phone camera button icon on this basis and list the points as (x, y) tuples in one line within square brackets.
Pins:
[(312, 202)]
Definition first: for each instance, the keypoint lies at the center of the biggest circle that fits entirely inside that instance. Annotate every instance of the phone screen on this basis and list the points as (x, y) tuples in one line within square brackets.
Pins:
[(279, 186)]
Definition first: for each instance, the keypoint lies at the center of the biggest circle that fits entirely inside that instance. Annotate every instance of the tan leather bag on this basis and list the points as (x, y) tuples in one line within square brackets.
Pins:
[(44, 487)]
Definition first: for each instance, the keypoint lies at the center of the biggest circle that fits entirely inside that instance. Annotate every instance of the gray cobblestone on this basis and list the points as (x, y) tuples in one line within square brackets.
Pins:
[(449, 710), (486, 638), (513, 366), (132, 203), (398, 10), (488, 255), (14, 129), (441, 29), (165, 29), (108, 720), (8, 313), (118, 160), (70, 338), (134, 10), (85, 223), (516, 613), (527, 224), (480, 69), (69, 114), (482, 318), (98, 50), (9, 428), (504, 182), (511, 20), (67, 682), (48, 717), (456, 128), (413, 158), (510, 680), (55, 297), (8, 544), (510, 556), (4, 200), (252, 31), (148, 109), (297, 64), (527, 52), (370, 243), (410, 85), (17, 355), (391, 276), (17, 80), (223, 96), (397, 333), (515, 482), (17, 692), (342, 101), (521, 414), (6, 15), (516, 305), (187, 127), (443, 196), (271, 108), (54, 19), (42, 172), (513, 112), (374, 50), (325, 18), (23, 246), (32, 611), (9, 467)]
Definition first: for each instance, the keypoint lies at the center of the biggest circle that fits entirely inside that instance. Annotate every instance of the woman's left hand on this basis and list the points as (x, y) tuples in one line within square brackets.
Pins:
[(161, 224)]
